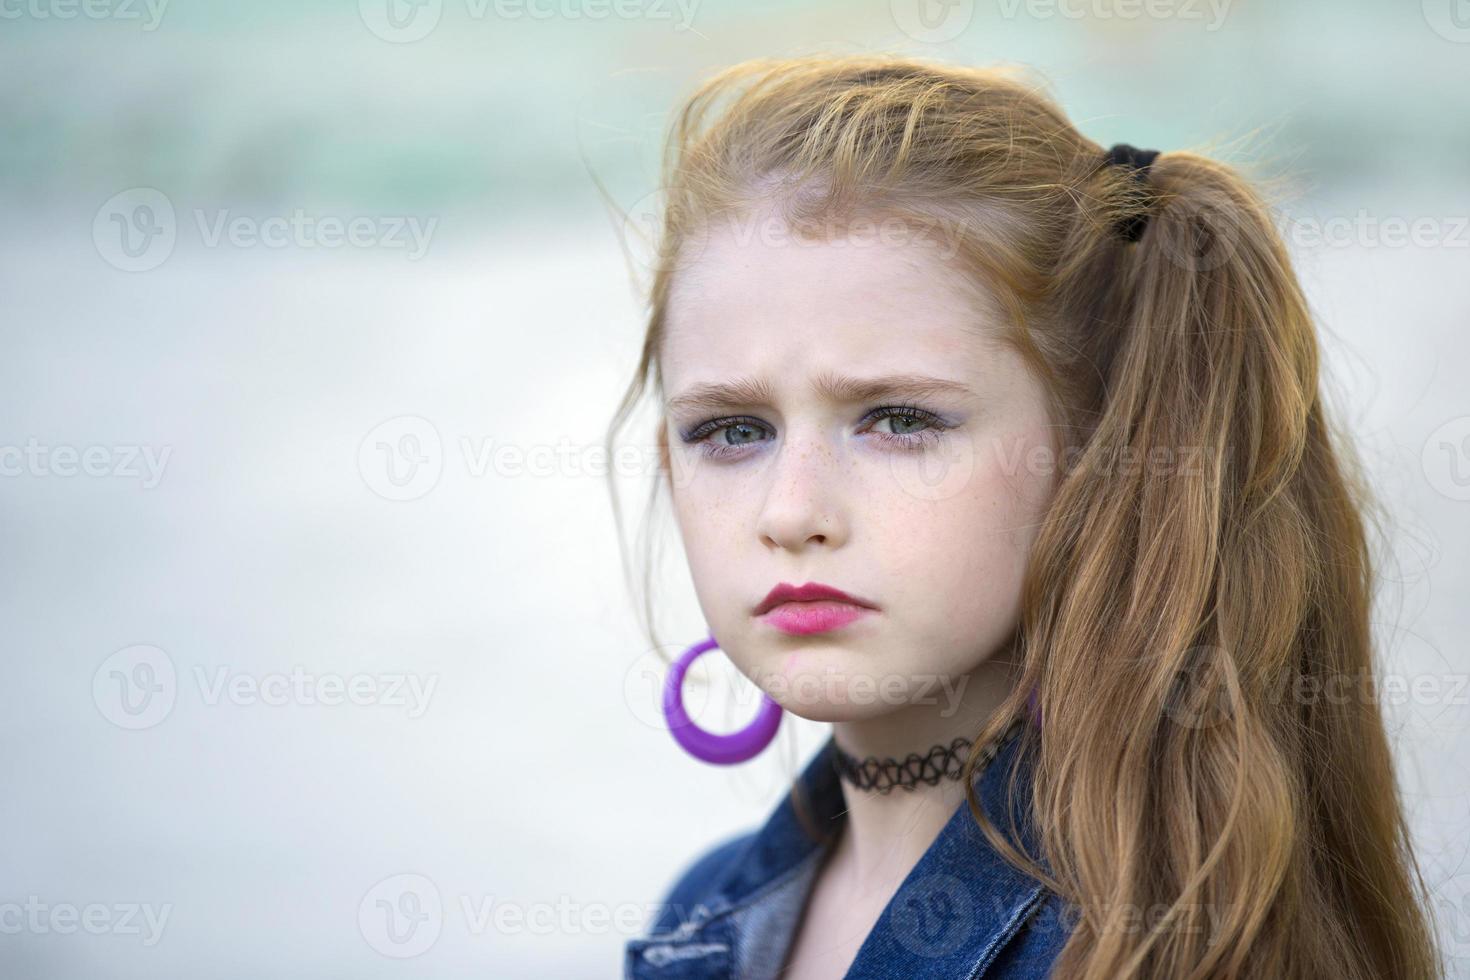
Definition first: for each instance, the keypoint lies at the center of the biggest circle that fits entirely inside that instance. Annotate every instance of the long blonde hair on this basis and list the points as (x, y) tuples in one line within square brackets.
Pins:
[(1203, 567)]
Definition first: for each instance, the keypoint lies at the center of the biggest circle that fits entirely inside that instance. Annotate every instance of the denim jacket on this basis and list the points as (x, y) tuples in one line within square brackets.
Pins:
[(962, 911)]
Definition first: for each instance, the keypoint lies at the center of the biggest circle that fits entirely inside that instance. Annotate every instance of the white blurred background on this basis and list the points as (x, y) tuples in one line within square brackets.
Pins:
[(312, 601)]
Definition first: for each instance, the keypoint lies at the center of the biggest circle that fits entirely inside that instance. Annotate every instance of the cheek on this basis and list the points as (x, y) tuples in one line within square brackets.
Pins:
[(958, 552), (702, 527), (709, 527)]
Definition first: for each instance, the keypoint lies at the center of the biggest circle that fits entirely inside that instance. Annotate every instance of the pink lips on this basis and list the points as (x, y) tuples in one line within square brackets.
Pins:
[(810, 608)]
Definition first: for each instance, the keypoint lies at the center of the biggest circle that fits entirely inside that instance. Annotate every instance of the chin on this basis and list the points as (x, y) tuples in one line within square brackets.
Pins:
[(831, 712), (832, 684)]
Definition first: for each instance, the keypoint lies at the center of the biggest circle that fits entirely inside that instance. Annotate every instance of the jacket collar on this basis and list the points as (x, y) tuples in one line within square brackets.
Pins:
[(950, 916), (782, 843)]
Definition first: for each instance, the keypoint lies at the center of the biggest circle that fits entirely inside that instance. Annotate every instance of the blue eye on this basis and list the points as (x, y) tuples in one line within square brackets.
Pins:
[(914, 429), (739, 432), (901, 417)]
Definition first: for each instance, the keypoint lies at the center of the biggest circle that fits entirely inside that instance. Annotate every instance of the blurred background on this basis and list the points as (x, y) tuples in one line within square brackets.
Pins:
[(318, 658)]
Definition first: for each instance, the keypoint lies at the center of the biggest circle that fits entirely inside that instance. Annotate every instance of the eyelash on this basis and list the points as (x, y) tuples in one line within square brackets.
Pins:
[(910, 442)]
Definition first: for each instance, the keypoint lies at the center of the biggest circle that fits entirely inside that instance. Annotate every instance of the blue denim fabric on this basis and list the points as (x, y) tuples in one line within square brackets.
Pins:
[(961, 912)]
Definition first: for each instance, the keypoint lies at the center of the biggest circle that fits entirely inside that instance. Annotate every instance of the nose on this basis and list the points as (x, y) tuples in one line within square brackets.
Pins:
[(803, 499)]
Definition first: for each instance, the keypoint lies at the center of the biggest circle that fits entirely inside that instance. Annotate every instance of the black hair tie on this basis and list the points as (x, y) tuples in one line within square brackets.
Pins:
[(1124, 155)]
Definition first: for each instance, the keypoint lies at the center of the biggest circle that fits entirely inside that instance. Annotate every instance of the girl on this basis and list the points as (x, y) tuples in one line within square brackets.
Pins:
[(1003, 453)]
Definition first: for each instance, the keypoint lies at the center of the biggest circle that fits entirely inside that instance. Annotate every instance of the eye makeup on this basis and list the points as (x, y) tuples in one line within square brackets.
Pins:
[(704, 436)]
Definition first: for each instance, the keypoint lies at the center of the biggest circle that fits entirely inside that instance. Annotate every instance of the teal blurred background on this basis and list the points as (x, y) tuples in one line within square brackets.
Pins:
[(322, 419), (307, 103)]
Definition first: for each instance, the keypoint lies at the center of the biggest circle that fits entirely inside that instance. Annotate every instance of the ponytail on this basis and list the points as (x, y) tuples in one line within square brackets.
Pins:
[(1249, 832)]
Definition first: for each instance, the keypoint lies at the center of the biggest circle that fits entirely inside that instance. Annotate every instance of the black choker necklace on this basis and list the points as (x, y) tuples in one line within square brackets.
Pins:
[(940, 762)]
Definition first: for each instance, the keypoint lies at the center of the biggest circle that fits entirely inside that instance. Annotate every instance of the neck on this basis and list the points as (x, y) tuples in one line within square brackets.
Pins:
[(885, 834)]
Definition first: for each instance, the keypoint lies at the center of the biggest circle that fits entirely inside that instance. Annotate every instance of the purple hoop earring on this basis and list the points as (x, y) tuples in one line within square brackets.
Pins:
[(1035, 709), (721, 750)]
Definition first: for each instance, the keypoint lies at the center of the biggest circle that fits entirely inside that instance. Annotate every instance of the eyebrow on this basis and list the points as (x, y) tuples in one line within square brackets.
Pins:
[(716, 396)]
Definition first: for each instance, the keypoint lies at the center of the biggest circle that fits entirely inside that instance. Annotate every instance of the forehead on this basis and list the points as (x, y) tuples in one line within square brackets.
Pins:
[(751, 295)]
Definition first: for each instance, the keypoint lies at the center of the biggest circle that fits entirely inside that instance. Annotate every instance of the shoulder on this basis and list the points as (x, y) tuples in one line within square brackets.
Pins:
[(699, 881)]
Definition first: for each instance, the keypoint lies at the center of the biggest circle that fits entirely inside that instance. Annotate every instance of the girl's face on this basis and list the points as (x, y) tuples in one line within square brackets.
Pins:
[(839, 413)]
